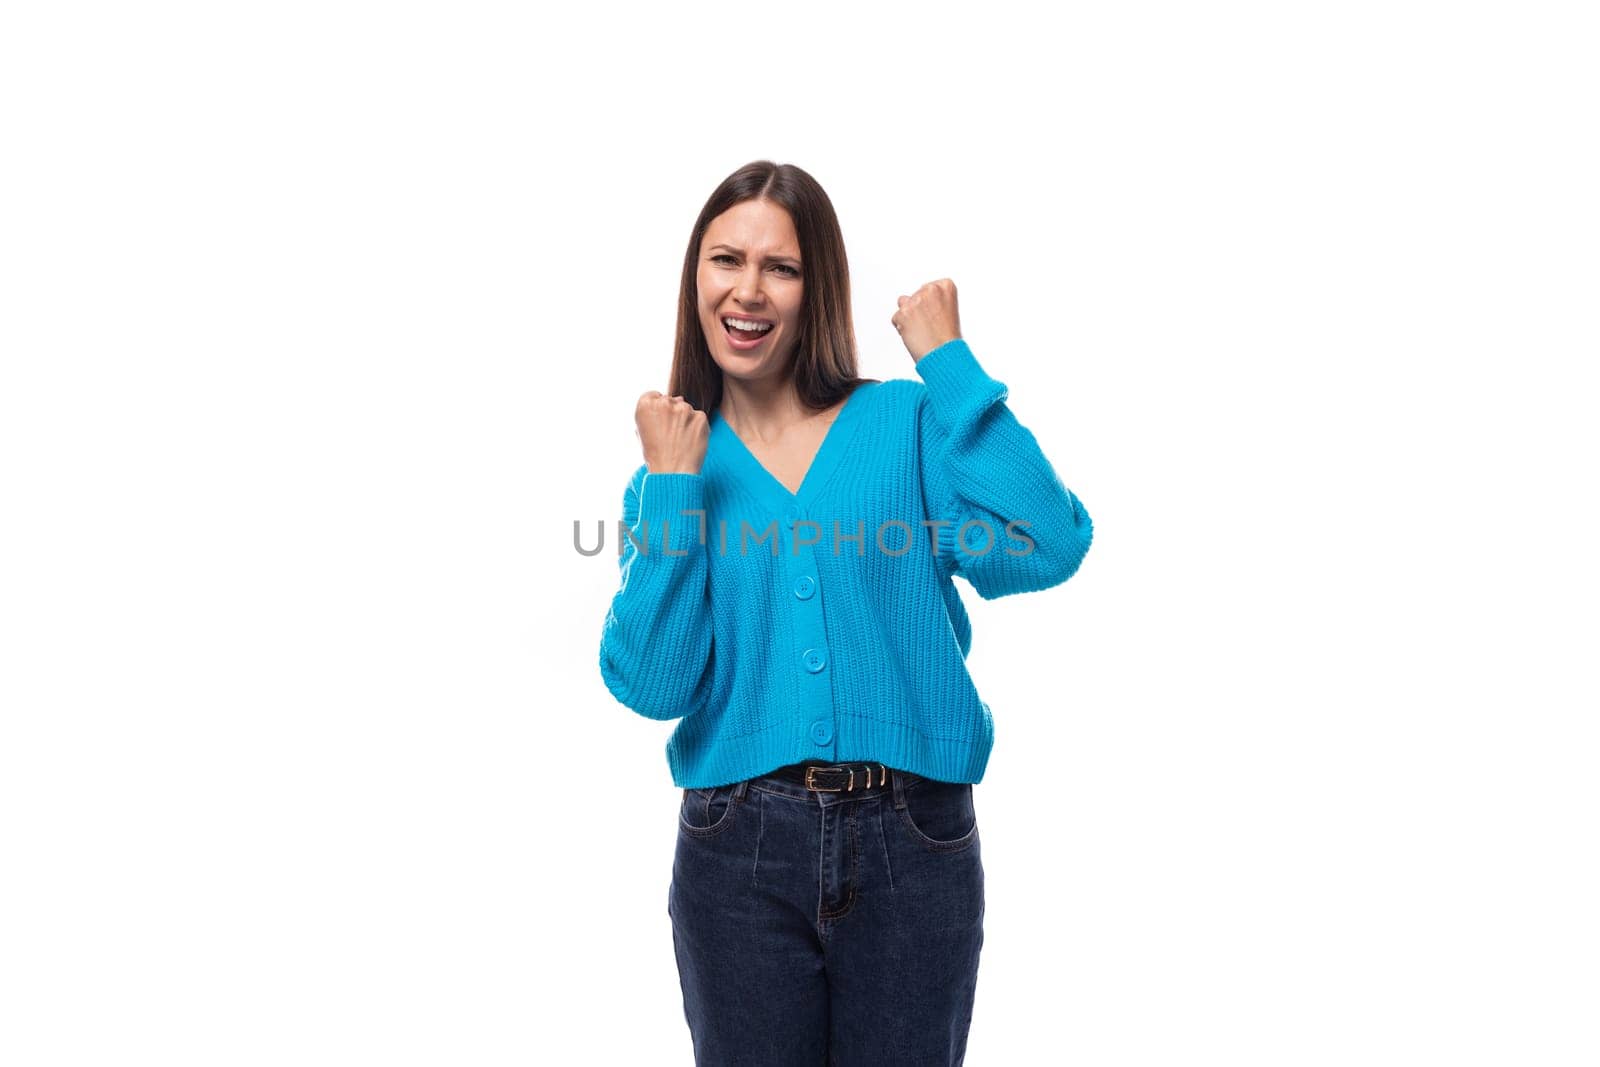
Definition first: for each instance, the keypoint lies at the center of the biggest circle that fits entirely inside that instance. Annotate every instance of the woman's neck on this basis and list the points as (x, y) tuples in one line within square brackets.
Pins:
[(762, 413)]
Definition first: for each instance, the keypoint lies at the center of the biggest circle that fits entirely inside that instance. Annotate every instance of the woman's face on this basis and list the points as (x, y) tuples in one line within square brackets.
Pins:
[(750, 270)]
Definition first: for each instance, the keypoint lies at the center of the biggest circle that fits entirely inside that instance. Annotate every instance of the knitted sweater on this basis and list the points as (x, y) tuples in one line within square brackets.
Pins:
[(779, 627)]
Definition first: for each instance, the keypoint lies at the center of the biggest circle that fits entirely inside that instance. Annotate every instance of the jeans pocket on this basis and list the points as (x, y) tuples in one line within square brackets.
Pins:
[(940, 816), (706, 811)]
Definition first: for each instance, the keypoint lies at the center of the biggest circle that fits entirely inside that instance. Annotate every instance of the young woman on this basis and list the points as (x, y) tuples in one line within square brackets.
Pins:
[(786, 595)]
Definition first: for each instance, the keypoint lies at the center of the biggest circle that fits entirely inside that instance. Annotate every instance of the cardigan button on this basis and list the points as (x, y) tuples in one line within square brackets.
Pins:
[(791, 513), (815, 659), (822, 731), (804, 586)]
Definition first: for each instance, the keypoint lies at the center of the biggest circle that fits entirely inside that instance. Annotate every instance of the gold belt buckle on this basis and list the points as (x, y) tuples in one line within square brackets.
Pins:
[(810, 771)]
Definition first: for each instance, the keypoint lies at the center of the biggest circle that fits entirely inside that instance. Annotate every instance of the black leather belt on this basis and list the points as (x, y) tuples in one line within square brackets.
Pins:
[(836, 777)]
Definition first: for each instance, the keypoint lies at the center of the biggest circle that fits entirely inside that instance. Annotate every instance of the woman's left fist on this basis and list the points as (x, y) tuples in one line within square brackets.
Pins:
[(927, 318)]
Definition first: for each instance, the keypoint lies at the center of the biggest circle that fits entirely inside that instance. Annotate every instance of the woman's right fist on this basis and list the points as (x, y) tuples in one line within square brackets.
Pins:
[(672, 432)]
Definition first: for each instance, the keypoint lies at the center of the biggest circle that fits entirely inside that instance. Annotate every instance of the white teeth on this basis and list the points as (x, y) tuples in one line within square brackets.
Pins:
[(745, 324)]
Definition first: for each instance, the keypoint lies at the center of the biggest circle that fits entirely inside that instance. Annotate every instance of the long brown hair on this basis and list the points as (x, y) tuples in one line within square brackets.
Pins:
[(824, 367)]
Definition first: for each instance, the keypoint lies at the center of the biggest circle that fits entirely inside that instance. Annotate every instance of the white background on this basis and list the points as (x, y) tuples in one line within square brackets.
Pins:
[(322, 323)]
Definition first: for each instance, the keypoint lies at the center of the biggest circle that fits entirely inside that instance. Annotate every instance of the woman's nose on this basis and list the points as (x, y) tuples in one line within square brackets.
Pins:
[(749, 285)]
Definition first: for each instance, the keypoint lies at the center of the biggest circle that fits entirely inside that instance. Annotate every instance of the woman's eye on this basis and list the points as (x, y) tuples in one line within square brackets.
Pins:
[(781, 266)]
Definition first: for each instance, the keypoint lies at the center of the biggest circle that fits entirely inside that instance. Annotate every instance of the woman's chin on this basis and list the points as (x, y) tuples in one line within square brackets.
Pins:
[(749, 366)]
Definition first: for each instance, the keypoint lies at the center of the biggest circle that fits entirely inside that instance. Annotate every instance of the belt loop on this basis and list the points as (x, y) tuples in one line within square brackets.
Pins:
[(899, 790), (739, 790)]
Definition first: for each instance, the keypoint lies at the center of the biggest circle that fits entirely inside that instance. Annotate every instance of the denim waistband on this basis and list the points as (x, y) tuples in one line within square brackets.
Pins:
[(789, 780)]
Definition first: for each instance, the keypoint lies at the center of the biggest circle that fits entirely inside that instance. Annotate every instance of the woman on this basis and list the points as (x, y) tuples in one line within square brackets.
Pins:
[(786, 596)]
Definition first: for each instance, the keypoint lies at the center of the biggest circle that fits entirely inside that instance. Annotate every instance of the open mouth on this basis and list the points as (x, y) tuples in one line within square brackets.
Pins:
[(745, 333)]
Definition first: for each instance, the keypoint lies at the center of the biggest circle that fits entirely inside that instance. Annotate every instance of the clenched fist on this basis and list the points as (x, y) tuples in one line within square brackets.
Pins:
[(928, 318), (673, 433)]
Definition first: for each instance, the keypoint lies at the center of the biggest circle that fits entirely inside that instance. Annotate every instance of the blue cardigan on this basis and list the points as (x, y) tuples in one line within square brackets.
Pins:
[(835, 631)]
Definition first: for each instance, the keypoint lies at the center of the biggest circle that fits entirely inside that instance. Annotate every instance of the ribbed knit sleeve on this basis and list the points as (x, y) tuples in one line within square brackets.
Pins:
[(980, 465), (656, 653)]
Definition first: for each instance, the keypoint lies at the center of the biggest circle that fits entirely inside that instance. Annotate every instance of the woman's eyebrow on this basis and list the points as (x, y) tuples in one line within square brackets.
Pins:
[(769, 259)]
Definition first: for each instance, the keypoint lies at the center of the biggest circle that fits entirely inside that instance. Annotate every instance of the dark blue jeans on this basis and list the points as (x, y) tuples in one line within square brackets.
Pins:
[(828, 929)]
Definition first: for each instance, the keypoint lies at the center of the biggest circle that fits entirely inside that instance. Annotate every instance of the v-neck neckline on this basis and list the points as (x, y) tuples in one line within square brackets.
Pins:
[(823, 463)]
